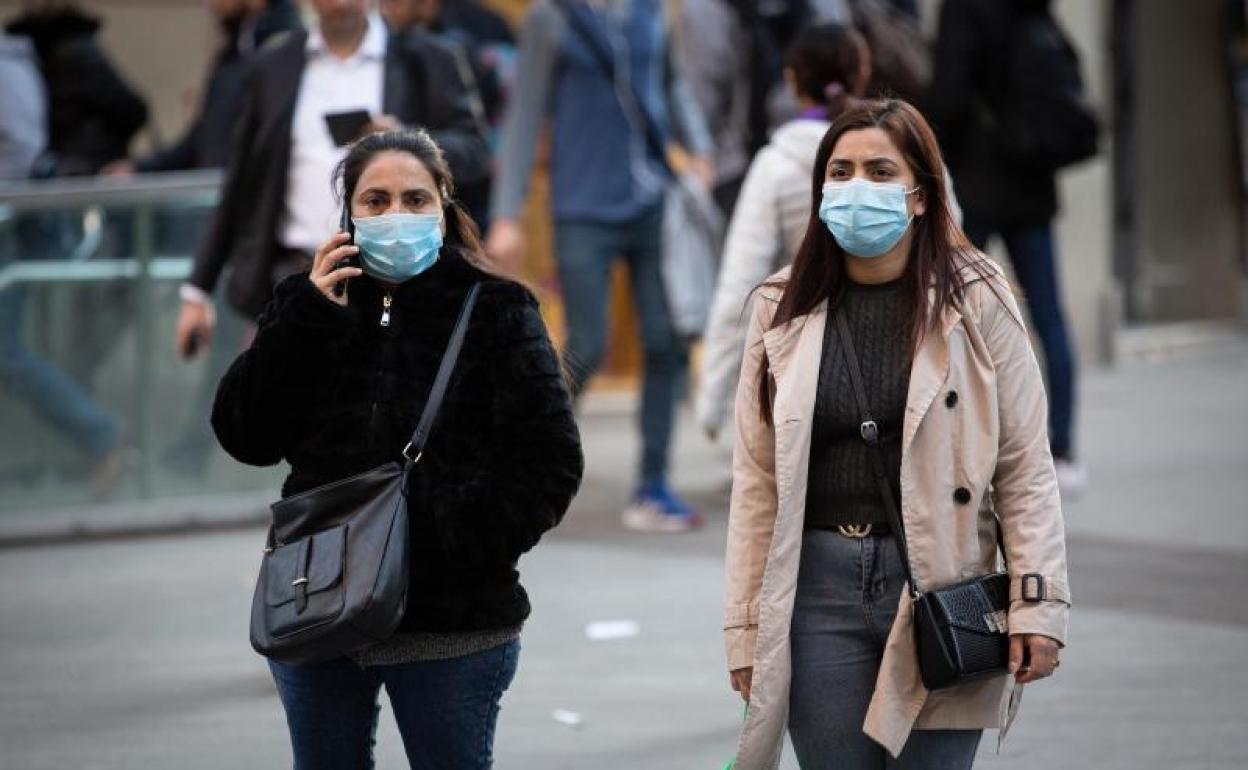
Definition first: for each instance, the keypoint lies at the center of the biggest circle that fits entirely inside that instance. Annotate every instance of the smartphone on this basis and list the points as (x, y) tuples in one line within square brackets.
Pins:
[(346, 127), (352, 260)]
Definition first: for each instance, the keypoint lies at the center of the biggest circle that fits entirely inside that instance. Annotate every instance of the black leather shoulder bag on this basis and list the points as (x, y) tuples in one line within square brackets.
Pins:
[(961, 631), (335, 570)]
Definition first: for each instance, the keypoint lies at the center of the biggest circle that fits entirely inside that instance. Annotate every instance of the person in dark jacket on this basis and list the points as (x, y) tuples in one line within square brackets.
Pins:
[(1000, 194), (275, 207), (246, 25), (490, 48), (93, 114), (334, 385)]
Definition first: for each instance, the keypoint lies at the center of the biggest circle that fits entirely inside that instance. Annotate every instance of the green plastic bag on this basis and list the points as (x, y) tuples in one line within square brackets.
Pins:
[(732, 762)]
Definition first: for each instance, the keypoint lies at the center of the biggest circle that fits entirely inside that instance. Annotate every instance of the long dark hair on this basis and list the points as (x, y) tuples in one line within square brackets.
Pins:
[(826, 61), (461, 230), (938, 250)]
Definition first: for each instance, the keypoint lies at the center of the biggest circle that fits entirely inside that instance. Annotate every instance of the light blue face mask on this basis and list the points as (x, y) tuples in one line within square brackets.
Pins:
[(398, 247), (866, 218)]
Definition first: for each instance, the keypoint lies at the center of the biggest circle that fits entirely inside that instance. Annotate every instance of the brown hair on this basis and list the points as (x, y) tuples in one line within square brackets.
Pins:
[(938, 249), (826, 60), (461, 230)]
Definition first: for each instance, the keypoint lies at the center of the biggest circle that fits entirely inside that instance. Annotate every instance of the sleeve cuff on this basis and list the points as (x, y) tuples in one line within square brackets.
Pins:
[(1045, 618), (739, 643), (189, 292)]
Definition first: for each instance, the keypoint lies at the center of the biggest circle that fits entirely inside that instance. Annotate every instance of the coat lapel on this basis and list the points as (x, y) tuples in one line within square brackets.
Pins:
[(794, 352), (928, 373)]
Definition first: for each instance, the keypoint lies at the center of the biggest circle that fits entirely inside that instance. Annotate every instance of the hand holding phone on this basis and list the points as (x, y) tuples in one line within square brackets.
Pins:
[(333, 265)]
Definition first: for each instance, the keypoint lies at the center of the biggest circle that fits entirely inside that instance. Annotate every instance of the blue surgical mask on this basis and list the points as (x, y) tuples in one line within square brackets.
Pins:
[(398, 247), (866, 218)]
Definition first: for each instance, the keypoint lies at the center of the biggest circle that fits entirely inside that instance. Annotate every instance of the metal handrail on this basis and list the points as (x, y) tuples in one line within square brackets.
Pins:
[(78, 192)]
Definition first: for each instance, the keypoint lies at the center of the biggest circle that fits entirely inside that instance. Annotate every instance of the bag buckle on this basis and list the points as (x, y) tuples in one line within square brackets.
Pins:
[(870, 432), (856, 531), (407, 454), (1035, 582)]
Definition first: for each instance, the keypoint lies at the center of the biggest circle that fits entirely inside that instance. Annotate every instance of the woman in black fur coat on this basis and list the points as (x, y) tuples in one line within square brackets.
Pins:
[(334, 384)]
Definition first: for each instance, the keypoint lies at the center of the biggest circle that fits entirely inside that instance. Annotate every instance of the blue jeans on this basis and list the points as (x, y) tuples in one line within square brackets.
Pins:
[(585, 252), (446, 709), (1032, 254), (847, 594), (52, 394)]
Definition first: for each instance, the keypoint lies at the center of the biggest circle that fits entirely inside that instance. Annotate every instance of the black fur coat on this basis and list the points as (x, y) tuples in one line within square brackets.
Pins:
[(333, 392)]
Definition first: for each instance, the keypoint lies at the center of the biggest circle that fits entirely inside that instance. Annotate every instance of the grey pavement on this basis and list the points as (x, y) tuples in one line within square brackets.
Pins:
[(134, 654)]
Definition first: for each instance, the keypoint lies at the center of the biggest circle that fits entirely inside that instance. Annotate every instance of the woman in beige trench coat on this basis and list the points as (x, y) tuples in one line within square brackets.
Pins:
[(818, 627)]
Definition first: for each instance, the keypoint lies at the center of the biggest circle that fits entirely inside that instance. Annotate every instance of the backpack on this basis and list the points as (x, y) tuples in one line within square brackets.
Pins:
[(1043, 119)]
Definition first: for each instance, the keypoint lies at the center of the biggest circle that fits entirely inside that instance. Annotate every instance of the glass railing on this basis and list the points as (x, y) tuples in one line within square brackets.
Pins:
[(95, 406)]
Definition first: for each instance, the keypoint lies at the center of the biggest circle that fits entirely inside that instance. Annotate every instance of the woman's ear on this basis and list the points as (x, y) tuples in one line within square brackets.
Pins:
[(920, 202)]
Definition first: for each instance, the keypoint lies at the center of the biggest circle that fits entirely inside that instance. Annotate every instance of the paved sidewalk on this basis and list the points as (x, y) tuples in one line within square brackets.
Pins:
[(133, 654)]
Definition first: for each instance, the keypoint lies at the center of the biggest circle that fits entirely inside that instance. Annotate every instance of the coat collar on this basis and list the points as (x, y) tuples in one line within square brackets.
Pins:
[(794, 352), (399, 77)]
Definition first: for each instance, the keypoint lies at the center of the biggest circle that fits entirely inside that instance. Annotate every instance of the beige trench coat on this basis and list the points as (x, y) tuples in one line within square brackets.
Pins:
[(991, 439)]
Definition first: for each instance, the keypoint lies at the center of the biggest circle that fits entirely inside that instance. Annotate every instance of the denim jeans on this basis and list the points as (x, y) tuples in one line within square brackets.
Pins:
[(585, 252), (446, 709), (847, 594), (1032, 254), (51, 393)]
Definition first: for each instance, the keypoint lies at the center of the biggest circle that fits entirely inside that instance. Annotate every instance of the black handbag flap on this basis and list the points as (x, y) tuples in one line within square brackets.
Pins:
[(976, 605), (301, 514), (315, 562)]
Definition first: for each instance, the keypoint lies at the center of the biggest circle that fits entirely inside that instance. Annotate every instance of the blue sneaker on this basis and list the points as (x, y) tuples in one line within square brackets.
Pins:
[(655, 508)]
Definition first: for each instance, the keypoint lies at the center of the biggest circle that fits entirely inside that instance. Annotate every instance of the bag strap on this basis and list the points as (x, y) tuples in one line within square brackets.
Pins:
[(606, 62), (443, 379), (870, 432)]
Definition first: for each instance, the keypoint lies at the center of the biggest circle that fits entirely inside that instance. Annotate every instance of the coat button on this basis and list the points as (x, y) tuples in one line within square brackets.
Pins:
[(962, 495), (951, 400)]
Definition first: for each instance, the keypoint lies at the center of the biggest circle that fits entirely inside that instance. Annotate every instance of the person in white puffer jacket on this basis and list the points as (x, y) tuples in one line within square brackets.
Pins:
[(827, 67)]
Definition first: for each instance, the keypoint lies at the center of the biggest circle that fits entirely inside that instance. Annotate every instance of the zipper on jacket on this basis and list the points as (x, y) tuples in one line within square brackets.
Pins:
[(385, 309)]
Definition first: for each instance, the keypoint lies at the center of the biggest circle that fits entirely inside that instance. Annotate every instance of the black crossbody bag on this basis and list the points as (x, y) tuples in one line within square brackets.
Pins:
[(961, 631), (335, 570)]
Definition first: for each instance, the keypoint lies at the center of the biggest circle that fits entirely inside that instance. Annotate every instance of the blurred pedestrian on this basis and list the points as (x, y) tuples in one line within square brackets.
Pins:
[(1005, 86), (826, 68), (732, 53), (52, 395), (93, 113), (304, 99), (825, 645), (605, 73), (334, 384), (245, 26), (490, 48)]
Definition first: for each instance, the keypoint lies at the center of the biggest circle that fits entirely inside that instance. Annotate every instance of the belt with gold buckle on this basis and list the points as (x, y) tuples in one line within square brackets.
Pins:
[(856, 531)]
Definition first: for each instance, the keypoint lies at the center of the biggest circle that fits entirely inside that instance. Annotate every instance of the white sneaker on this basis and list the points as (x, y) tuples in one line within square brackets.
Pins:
[(646, 516), (1072, 478)]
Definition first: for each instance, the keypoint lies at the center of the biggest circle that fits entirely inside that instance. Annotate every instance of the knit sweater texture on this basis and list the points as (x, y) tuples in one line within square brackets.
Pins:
[(842, 487)]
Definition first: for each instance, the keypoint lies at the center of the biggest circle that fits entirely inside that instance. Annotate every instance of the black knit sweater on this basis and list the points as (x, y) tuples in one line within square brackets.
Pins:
[(333, 392), (841, 486)]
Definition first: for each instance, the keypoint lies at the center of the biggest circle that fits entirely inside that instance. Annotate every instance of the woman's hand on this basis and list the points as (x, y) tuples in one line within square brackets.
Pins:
[(741, 679), (1042, 657), (326, 274)]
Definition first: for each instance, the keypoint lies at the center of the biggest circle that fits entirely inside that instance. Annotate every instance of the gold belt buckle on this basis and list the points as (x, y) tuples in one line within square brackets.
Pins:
[(856, 531)]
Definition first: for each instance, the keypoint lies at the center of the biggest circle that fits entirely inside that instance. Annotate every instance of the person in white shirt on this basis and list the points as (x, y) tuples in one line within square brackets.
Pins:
[(276, 205)]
